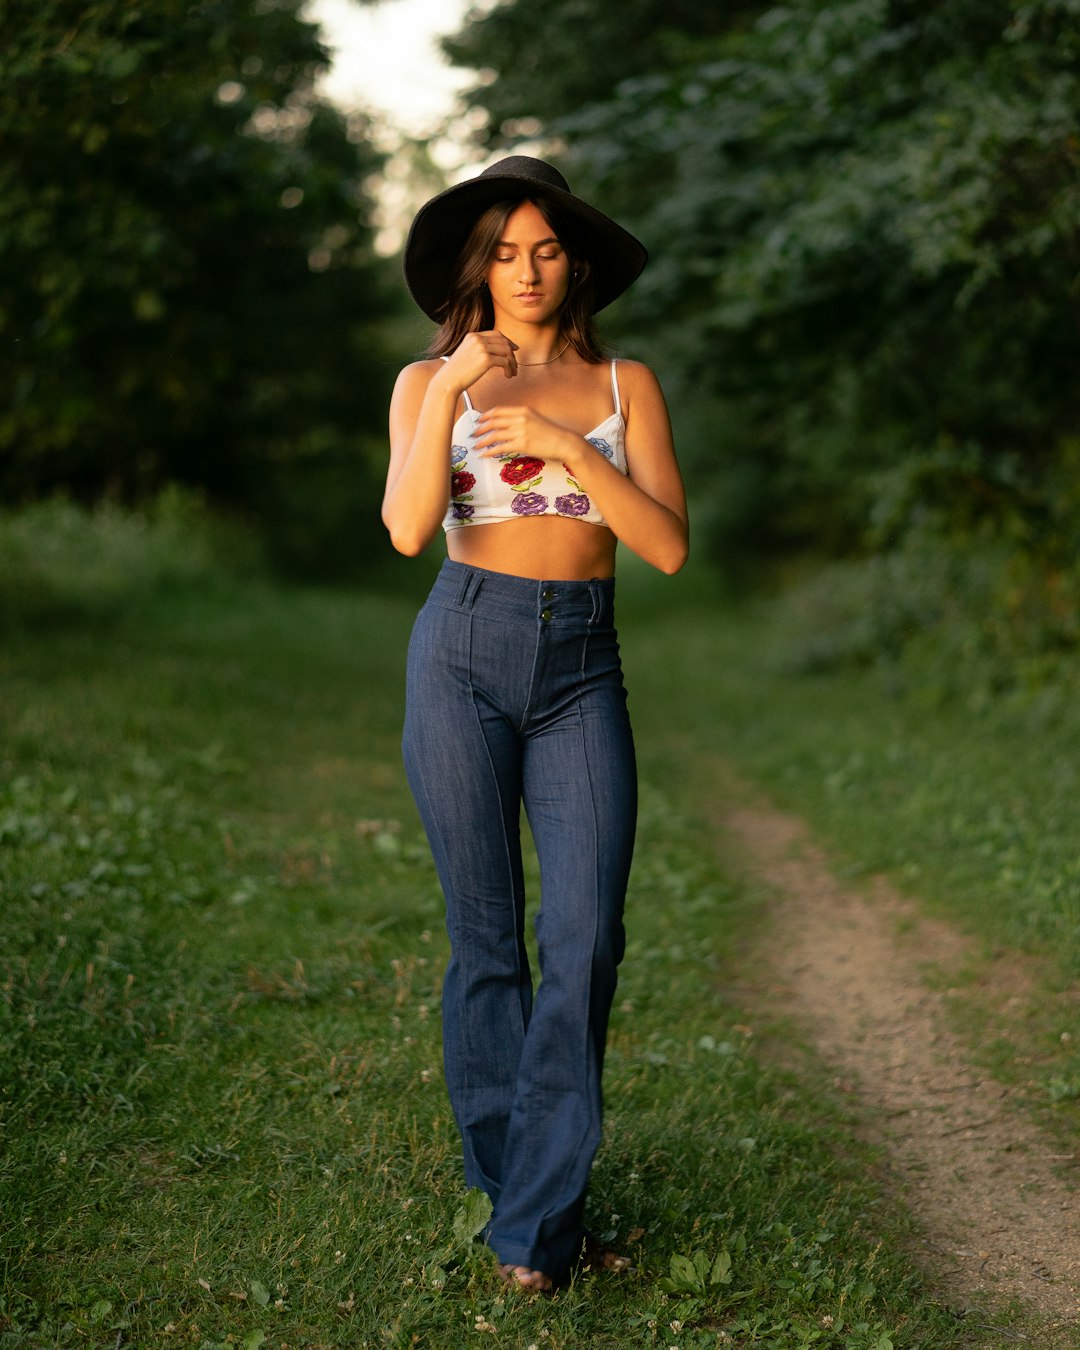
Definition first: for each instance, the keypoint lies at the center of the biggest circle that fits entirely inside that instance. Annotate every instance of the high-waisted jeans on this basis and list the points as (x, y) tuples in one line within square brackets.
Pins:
[(515, 694)]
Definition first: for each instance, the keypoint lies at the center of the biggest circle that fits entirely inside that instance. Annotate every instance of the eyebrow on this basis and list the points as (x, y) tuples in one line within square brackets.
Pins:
[(540, 243)]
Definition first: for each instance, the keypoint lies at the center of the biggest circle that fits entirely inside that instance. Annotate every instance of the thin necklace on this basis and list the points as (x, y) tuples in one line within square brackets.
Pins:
[(550, 359)]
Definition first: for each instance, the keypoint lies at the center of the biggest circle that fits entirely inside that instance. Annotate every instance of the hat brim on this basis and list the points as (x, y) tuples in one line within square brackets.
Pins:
[(442, 227)]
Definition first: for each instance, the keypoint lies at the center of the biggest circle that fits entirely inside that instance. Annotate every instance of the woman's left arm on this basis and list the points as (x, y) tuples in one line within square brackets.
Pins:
[(645, 509)]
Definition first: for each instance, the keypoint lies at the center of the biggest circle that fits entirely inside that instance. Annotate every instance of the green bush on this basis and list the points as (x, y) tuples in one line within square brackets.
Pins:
[(981, 612), (60, 562)]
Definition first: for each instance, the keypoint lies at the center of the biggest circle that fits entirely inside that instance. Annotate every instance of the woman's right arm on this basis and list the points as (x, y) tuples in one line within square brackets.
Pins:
[(418, 479), (422, 412)]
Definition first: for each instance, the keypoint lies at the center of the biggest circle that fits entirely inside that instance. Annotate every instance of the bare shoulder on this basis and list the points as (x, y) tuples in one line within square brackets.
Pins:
[(416, 376), (637, 381)]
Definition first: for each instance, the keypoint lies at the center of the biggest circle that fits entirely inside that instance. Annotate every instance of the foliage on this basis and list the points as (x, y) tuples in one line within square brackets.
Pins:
[(60, 562), (537, 64), (925, 767), (189, 289), (220, 965), (990, 616), (864, 295)]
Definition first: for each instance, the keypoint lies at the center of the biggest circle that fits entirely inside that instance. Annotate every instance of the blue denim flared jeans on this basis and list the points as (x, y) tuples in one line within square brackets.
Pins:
[(515, 695)]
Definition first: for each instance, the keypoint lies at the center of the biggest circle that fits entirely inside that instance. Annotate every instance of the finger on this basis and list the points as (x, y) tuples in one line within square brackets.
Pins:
[(486, 440)]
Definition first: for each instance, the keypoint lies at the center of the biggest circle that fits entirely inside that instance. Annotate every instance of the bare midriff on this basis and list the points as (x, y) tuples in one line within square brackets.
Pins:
[(545, 548)]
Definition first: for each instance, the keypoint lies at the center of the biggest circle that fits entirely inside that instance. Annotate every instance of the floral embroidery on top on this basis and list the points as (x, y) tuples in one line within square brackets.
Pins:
[(485, 488), (461, 484), (520, 470), (574, 503), (603, 446), (529, 504), (523, 473)]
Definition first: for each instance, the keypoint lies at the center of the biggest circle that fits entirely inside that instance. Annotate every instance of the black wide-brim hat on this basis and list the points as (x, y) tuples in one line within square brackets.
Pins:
[(442, 227)]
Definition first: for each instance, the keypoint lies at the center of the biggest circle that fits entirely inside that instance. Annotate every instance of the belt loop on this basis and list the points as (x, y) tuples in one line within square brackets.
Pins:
[(471, 590), (597, 601)]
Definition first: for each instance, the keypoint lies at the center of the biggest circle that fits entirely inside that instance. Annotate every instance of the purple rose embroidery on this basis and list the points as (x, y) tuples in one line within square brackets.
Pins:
[(529, 504), (603, 446), (573, 504), (462, 511)]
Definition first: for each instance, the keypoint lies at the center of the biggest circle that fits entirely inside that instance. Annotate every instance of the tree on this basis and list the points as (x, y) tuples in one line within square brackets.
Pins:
[(540, 63), (189, 291), (864, 299)]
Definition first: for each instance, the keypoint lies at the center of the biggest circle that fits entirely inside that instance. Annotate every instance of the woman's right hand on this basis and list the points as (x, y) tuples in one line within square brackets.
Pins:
[(475, 355)]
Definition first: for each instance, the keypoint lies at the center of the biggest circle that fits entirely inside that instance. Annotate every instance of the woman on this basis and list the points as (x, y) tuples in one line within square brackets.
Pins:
[(536, 457)]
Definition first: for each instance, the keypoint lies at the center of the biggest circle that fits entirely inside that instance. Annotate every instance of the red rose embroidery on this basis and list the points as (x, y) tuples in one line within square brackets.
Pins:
[(521, 469), (460, 483)]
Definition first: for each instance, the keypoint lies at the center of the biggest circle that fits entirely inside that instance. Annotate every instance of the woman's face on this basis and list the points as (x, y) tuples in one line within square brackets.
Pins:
[(530, 273)]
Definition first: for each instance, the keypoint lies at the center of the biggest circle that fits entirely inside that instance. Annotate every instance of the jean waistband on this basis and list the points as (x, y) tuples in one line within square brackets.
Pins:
[(514, 599)]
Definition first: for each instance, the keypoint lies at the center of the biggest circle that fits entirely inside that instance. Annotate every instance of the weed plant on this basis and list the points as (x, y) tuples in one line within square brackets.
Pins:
[(220, 1086)]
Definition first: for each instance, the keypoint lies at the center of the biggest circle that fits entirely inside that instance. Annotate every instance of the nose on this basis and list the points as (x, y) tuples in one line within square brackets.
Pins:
[(528, 271)]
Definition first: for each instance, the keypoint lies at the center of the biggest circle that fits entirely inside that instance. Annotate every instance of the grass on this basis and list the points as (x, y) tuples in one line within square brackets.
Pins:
[(220, 1090), (965, 801)]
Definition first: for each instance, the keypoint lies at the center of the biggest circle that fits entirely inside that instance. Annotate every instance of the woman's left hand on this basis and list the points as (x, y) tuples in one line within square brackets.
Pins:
[(523, 431)]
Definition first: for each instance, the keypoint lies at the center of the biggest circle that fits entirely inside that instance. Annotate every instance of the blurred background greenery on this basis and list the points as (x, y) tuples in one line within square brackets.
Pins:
[(216, 1106), (864, 217)]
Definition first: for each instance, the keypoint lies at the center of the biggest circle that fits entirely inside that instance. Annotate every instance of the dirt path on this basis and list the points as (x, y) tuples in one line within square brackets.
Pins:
[(984, 1184)]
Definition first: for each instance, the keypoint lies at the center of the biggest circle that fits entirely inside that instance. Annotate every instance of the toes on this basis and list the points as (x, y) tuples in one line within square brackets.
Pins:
[(598, 1257), (534, 1281)]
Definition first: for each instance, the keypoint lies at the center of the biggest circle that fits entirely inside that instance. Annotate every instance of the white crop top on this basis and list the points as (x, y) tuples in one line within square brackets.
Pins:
[(484, 490)]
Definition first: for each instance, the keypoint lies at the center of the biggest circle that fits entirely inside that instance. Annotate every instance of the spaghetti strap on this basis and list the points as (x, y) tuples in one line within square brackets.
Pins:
[(464, 392), (615, 387)]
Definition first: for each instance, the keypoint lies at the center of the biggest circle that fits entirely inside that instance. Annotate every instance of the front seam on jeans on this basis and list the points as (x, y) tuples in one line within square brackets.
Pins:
[(594, 1108), (505, 839), (527, 705)]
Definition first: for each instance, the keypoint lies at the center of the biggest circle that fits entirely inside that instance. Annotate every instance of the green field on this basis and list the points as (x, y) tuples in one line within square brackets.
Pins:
[(222, 1110)]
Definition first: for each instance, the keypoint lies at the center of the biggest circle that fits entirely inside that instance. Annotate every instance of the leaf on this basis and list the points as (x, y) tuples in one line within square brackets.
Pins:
[(683, 1272), (254, 1339), (260, 1293), (721, 1271), (472, 1217)]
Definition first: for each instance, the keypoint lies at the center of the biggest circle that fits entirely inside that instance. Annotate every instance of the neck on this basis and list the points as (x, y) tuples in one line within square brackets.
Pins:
[(532, 358), (537, 345)]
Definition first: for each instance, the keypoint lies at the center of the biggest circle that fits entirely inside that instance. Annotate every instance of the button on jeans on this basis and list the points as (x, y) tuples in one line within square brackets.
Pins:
[(515, 694)]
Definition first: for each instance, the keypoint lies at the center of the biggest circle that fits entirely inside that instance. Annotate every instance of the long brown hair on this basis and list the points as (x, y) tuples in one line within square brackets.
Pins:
[(468, 307)]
